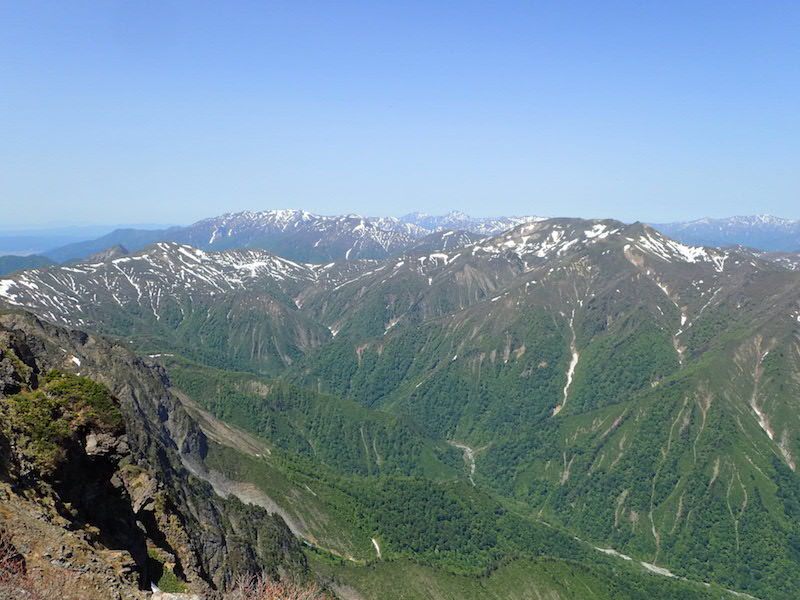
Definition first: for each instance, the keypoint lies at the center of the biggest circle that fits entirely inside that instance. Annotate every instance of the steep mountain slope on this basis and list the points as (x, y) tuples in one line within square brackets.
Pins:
[(637, 391), (170, 296), (764, 232), (520, 262), (338, 433), (606, 376), (368, 534), (92, 477)]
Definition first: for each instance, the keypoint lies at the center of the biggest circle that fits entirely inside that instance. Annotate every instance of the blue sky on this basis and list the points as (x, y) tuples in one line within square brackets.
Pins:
[(131, 111)]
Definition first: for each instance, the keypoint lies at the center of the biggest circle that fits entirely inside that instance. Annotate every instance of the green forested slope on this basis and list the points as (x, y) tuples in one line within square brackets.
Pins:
[(11, 263), (442, 541), (675, 438), (338, 433)]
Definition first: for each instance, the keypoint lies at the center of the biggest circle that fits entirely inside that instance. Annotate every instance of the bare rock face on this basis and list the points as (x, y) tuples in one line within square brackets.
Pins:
[(166, 596), (104, 444), (117, 251), (143, 489)]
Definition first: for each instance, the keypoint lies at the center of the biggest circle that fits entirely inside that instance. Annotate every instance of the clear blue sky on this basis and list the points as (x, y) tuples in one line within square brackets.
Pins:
[(160, 111)]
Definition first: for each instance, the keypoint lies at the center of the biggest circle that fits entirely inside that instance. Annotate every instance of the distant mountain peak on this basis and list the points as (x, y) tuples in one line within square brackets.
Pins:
[(456, 219), (764, 219)]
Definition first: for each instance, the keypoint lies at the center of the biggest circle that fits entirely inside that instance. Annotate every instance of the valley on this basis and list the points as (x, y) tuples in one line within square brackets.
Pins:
[(469, 459), (537, 408)]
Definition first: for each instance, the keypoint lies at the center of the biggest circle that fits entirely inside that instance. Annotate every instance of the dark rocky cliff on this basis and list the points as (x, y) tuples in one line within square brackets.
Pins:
[(118, 492)]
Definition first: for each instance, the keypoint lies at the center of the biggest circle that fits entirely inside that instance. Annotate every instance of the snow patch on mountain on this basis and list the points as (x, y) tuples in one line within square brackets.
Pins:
[(671, 251), (547, 238)]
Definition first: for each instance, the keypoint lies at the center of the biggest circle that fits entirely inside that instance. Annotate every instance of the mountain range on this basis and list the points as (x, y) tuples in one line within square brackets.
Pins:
[(488, 412), (303, 236), (763, 232), (295, 234)]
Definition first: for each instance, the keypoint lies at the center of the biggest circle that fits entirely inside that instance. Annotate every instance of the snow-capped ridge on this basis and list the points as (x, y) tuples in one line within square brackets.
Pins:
[(155, 276), (548, 237), (652, 242)]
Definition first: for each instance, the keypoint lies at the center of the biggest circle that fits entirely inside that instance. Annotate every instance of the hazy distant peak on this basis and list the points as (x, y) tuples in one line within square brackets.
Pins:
[(766, 232), (741, 221), (456, 219)]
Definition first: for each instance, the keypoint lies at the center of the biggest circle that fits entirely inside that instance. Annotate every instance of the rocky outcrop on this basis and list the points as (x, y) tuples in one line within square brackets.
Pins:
[(111, 253), (118, 494)]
